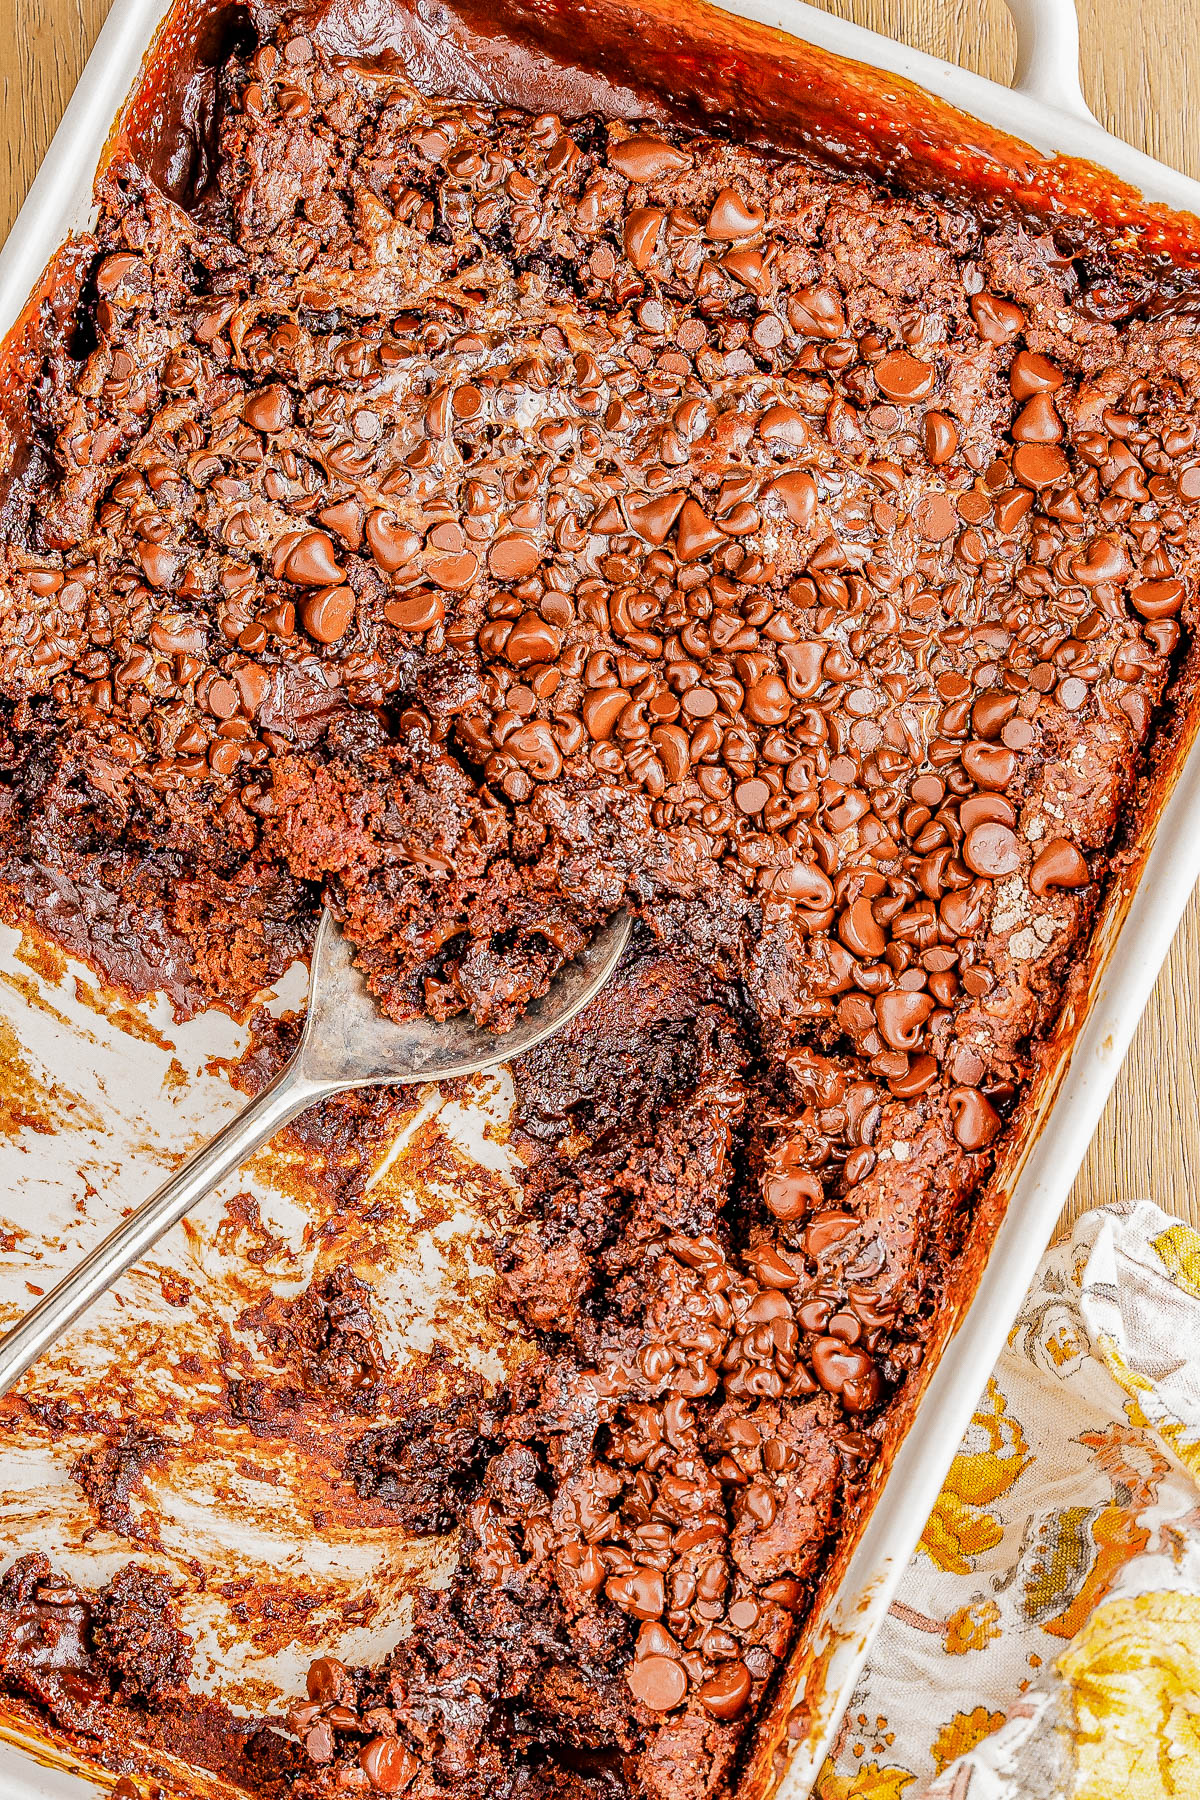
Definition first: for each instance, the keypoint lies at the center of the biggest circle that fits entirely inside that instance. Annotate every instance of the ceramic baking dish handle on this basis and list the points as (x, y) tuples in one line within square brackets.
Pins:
[(1048, 55)]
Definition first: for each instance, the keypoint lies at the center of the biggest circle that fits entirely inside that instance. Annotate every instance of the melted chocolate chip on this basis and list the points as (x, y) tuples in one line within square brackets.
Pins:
[(903, 377), (733, 217), (644, 158), (658, 1682)]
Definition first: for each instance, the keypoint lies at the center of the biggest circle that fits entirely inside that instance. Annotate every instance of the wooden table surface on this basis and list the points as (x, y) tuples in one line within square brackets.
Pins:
[(1137, 56)]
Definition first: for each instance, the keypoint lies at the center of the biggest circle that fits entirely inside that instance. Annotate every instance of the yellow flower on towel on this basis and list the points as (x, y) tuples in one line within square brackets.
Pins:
[(962, 1733), (1133, 1681), (972, 1626), (867, 1783), (993, 1455), (1113, 1358), (1178, 1248), (1187, 1449)]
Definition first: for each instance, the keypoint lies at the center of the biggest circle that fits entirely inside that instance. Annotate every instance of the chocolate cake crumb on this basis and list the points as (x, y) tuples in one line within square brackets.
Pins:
[(430, 1467), (134, 1637), (328, 1336), (71, 1649), (111, 1668), (110, 1474)]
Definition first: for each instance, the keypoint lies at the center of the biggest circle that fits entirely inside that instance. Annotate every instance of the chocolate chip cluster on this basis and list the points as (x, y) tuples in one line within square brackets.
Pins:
[(477, 521), (644, 1509)]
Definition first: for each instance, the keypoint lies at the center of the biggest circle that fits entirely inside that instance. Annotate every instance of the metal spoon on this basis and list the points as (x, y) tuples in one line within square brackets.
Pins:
[(346, 1043)]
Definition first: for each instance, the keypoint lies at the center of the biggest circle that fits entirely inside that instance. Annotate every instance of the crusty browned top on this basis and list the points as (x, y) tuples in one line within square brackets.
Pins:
[(480, 521)]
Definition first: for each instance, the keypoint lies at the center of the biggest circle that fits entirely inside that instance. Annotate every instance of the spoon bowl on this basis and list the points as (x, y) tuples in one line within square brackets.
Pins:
[(348, 1042)]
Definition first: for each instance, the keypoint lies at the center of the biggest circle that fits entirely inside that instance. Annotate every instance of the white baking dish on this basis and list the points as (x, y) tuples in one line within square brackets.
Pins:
[(137, 1128)]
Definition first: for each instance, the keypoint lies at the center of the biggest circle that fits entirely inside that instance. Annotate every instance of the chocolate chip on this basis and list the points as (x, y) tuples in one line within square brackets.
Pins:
[(269, 410), (601, 710), (531, 640), (387, 1765), (904, 377), (997, 320), (390, 543), (328, 1680), (783, 425), (640, 1593), (640, 235), (991, 713), (1037, 422), (659, 1682), (751, 796), (1018, 734), (988, 765), (1033, 374), (941, 437), (645, 158), (789, 1193), (725, 1694), (976, 1121), (835, 1363), (827, 1229), (513, 556), (222, 698), (118, 271), (803, 882), (767, 701), (991, 849), (318, 1741), (935, 518), (816, 312), (327, 615), (536, 749), (773, 1269), (345, 518), (859, 930), (766, 333), (977, 808), (1039, 465), (653, 515), (901, 1017), (733, 217), (310, 560), (158, 563), (696, 536), (1104, 560), (798, 492), (1011, 507), (419, 612), (1059, 864), (1157, 599)]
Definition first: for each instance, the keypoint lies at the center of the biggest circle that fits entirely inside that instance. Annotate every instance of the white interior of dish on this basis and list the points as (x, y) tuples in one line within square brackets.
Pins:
[(96, 1117)]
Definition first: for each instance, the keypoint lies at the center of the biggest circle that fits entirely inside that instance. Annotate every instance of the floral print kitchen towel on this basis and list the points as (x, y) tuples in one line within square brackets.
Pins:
[(1045, 1644)]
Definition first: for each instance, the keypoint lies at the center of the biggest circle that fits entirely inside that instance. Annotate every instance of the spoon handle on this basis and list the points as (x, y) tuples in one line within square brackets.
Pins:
[(290, 1093)]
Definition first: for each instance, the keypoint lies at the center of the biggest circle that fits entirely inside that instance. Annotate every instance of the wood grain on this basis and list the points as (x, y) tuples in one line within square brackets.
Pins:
[(1136, 58)]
